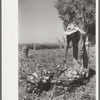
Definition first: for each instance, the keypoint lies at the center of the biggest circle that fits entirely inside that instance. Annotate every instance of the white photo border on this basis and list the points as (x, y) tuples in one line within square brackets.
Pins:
[(10, 49)]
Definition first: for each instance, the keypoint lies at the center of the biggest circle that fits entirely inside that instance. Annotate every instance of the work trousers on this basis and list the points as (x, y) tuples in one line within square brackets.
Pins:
[(81, 51)]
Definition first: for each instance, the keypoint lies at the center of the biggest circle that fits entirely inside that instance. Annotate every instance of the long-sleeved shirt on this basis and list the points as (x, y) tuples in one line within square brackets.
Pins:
[(79, 40)]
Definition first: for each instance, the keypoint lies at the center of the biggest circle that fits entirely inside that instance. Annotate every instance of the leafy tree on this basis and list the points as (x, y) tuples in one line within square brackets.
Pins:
[(80, 12)]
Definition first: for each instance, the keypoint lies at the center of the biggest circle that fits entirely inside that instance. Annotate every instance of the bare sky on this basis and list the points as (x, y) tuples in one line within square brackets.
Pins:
[(39, 22)]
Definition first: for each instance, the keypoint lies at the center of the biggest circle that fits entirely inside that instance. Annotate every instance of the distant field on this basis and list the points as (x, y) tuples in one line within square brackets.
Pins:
[(57, 45), (41, 46), (49, 59)]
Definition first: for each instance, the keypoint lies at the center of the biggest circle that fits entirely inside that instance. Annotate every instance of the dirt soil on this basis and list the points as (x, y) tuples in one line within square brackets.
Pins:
[(40, 60)]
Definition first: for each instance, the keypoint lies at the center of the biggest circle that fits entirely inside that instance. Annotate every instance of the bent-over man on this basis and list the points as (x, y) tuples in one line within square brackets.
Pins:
[(79, 40)]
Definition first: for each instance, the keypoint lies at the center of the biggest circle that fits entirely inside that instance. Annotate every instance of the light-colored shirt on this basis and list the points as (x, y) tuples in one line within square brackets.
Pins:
[(73, 30)]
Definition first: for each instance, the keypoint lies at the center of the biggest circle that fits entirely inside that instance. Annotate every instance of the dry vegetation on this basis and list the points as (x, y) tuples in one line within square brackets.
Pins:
[(49, 59)]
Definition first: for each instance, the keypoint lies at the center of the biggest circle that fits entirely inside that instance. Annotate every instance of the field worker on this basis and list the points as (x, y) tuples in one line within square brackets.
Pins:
[(79, 40)]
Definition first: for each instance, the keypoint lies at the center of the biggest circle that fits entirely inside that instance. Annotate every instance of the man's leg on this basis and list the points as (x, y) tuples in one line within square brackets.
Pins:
[(75, 51), (80, 51), (86, 56), (76, 65)]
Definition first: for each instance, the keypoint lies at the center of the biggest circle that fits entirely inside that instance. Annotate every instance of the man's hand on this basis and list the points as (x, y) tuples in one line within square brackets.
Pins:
[(79, 61), (64, 60)]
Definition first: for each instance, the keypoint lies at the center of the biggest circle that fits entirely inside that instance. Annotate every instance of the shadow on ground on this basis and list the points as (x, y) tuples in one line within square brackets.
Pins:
[(82, 81)]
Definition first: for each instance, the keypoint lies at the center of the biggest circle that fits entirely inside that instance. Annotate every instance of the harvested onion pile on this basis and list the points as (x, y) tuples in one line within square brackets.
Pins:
[(36, 82)]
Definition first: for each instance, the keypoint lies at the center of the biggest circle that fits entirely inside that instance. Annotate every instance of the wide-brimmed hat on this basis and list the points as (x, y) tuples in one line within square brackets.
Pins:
[(72, 29)]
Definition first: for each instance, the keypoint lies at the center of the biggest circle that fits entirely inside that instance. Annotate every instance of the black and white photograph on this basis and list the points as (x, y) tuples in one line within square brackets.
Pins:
[(57, 50)]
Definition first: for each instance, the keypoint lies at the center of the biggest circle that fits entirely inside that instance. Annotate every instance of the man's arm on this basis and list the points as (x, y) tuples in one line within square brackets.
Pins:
[(80, 30)]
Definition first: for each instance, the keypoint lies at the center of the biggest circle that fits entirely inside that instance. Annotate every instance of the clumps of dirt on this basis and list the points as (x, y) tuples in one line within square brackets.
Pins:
[(67, 82), (39, 82)]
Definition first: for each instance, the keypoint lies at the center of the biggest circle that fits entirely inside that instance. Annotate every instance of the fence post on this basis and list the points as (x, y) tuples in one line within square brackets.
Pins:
[(25, 50), (34, 46)]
